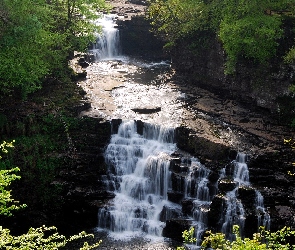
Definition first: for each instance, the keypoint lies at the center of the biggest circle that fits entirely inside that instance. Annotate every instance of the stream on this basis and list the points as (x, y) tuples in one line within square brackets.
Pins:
[(142, 149)]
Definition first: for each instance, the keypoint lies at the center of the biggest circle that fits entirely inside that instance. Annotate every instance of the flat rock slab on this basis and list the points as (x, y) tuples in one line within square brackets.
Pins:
[(149, 110)]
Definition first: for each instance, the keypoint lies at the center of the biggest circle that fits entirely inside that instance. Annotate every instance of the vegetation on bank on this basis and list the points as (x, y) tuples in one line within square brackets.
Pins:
[(37, 37), (264, 240), (247, 29), (36, 238)]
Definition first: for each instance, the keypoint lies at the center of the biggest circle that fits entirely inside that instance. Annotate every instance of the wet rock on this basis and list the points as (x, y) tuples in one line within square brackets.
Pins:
[(213, 177), (244, 120), (139, 126), (80, 76), (200, 146), (168, 213), (175, 165), (187, 207), (84, 106), (226, 185), (115, 125), (247, 195), (217, 208), (232, 155), (136, 38), (177, 181), (251, 225), (283, 216), (175, 197), (90, 57), (175, 227), (82, 62)]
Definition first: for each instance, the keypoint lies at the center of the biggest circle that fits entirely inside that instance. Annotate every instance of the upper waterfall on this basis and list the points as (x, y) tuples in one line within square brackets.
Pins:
[(107, 45)]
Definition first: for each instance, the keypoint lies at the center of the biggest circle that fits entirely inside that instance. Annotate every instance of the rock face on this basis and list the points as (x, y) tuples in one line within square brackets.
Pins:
[(83, 191), (251, 84), (270, 173), (136, 39)]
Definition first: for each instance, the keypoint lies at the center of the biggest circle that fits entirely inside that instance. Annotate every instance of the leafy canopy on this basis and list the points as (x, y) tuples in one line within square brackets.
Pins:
[(247, 29), (37, 36)]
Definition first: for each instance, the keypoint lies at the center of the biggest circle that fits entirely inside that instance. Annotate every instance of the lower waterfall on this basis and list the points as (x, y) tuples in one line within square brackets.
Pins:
[(153, 185), (140, 177)]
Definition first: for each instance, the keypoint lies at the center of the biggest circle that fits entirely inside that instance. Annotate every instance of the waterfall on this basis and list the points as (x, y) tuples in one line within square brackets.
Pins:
[(241, 172), (262, 214), (139, 166), (142, 178), (234, 215), (107, 44), (196, 187), (235, 212)]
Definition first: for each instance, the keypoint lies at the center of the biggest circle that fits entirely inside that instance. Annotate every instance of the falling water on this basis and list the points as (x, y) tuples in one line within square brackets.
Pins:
[(107, 42), (195, 187), (262, 214), (235, 213), (141, 166), (241, 172)]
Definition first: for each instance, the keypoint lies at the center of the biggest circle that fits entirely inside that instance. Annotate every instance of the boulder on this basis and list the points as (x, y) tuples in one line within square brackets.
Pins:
[(175, 227)]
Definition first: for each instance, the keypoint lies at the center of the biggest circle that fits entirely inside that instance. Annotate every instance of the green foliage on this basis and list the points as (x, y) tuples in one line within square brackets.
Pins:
[(7, 203), (264, 240), (247, 29), (290, 56), (188, 237), (177, 18), (42, 148), (46, 238), (37, 36)]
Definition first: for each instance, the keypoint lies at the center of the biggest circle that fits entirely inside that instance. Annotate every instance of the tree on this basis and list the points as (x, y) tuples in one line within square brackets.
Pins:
[(46, 238), (37, 36), (250, 29), (247, 29), (175, 19)]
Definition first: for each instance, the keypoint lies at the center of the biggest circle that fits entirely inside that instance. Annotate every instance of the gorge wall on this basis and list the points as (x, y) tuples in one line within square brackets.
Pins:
[(264, 86)]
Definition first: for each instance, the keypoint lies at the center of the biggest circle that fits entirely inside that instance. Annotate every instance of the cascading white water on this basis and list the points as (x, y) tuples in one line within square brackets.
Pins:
[(262, 214), (107, 45), (235, 214), (241, 172), (141, 166), (196, 187)]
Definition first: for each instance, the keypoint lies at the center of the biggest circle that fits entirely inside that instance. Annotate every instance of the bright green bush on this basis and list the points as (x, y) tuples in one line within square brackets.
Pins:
[(264, 240)]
